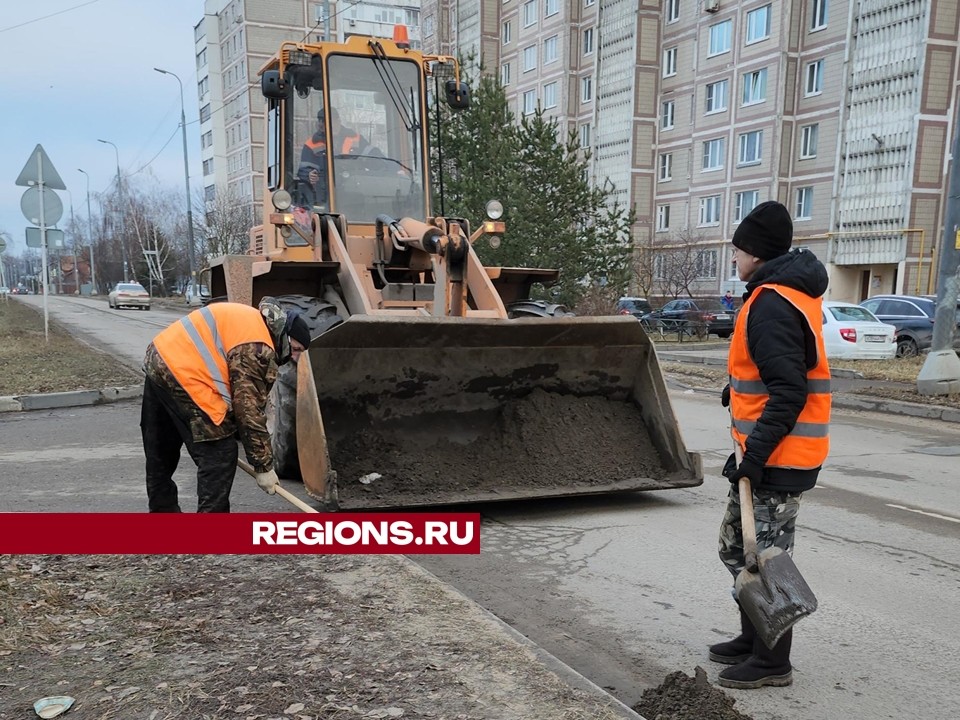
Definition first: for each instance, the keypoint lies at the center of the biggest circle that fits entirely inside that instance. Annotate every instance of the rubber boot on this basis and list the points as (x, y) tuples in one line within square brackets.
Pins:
[(740, 648), (765, 667)]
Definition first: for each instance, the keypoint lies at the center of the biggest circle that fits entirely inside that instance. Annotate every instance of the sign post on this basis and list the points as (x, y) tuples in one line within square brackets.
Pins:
[(41, 178)]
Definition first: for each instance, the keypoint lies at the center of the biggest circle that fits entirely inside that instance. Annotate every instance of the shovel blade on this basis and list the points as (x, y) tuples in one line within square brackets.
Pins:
[(776, 597)]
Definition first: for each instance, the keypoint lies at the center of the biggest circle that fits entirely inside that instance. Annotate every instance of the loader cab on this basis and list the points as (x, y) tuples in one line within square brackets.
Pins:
[(346, 135)]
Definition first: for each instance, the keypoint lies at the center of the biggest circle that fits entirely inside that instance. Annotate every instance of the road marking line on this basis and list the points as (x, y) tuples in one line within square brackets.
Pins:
[(924, 512)]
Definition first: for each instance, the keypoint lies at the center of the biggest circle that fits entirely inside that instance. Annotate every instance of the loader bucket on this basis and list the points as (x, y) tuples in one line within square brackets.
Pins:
[(421, 411)]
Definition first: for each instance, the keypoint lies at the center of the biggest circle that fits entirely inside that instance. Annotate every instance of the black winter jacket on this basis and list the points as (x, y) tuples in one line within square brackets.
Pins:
[(784, 349)]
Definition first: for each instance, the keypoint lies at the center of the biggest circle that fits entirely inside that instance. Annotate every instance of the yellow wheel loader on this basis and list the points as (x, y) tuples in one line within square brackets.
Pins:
[(430, 379)]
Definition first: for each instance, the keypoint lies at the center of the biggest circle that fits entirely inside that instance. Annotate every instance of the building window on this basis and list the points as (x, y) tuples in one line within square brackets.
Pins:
[(720, 38), (673, 10), (550, 50), (550, 95), (663, 218), (210, 193), (529, 13), (669, 62), (717, 96), (505, 33), (586, 89), (705, 265), (713, 154), (208, 167), (709, 210), (751, 145), (505, 74), (665, 172), (804, 203), (659, 266), (808, 141), (588, 41), (585, 135), (755, 86), (551, 7), (206, 140), (202, 59), (529, 58), (588, 3), (745, 202), (758, 24), (666, 115), (203, 87), (205, 113), (814, 84), (818, 14), (529, 102)]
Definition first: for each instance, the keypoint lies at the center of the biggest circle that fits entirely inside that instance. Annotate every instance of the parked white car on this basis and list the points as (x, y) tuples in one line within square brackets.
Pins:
[(851, 332)]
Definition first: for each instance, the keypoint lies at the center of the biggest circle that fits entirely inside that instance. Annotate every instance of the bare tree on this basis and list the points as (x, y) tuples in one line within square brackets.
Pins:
[(679, 260), (225, 226)]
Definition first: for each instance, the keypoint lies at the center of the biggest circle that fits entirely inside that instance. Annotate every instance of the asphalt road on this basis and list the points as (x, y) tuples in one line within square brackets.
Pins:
[(626, 589)]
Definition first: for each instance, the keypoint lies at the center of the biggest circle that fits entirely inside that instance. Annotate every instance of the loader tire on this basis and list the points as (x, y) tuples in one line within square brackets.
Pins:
[(282, 404), (537, 308)]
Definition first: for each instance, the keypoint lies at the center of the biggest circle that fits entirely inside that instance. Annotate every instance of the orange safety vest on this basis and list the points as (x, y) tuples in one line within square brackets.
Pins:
[(195, 349), (807, 444)]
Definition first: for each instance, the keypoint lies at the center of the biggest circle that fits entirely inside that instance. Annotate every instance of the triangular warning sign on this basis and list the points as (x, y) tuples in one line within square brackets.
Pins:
[(40, 162)]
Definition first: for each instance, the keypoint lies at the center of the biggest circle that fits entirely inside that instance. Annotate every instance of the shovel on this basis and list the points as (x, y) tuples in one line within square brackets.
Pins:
[(285, 494), (770, 588)]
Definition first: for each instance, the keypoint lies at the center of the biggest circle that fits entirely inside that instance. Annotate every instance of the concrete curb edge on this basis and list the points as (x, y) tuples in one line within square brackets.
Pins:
[(75, 398)]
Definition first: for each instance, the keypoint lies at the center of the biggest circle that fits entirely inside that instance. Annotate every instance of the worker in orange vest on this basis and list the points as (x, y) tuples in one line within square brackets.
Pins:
[(779, 399), (208, 377), (312, 171)]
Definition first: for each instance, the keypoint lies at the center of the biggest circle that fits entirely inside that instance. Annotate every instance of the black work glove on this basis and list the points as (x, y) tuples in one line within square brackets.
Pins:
[(749, 470), (725, 396)]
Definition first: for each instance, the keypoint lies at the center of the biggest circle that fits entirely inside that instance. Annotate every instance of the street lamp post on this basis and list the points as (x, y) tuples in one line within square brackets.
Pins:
[(186, 174), (93, 272), (123, 244)]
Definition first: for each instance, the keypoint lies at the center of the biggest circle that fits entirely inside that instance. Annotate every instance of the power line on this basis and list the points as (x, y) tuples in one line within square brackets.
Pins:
[(150, 161), (60, 12)]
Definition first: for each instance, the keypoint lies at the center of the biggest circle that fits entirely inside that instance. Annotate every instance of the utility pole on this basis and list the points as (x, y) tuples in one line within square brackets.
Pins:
[(186, 175), (93, 272), (123, 239), (940, 374)]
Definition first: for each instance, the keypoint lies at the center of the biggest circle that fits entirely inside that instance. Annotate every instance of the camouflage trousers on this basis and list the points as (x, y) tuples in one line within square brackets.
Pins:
[(775, 514)]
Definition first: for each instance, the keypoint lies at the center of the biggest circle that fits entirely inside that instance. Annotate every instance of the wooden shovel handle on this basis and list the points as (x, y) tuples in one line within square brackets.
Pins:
[(747, 522), (286, 494)]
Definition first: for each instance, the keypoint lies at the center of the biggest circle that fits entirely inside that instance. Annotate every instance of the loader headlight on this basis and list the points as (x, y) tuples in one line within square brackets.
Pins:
[(281, 200), (494, 210)]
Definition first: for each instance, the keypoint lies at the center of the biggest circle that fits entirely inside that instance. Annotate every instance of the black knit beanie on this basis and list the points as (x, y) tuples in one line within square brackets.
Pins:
[(297, 328), (767, 232)]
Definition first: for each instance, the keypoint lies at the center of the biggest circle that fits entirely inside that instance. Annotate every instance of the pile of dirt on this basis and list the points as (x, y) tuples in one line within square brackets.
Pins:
[(255, 637), (681, 697), (541, 441)]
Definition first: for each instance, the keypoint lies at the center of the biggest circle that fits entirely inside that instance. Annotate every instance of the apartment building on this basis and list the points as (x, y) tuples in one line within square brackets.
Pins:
[(698, 110), (234, 39)]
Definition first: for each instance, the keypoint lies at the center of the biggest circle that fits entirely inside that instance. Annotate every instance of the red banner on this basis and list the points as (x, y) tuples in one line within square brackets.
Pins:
[(239, 533)]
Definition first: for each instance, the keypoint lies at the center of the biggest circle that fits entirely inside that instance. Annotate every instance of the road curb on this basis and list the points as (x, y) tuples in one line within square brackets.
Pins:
[(850, 401), (75, 398)]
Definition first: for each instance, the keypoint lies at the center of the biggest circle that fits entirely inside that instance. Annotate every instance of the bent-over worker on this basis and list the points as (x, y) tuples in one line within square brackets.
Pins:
[(208, 377)]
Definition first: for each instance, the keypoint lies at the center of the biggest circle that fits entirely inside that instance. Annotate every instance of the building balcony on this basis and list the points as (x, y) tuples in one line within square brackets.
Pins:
[(867, 248)]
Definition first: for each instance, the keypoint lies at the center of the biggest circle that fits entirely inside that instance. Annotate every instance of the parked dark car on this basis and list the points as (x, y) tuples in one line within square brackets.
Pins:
[(912, 316), (636, 306), (695, 316)]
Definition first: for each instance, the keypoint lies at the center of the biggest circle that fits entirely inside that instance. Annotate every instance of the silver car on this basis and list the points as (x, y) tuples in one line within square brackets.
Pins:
[(129, 295)]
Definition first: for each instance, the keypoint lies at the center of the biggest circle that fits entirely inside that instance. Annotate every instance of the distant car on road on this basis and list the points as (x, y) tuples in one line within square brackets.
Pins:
[(851, 332), (695, 316), (636, 306), (129, 295), (913, 317), (196, 295)]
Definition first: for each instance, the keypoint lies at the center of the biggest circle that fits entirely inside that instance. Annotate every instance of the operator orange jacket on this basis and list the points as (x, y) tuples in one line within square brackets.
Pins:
[(196, 348), (807, 444)]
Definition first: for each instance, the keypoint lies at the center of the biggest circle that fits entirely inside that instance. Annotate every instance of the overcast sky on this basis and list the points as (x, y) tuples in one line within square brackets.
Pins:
[(78, 70)]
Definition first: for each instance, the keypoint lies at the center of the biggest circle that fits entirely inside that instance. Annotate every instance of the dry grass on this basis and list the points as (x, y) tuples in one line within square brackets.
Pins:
[(29, 364), (898, 369)]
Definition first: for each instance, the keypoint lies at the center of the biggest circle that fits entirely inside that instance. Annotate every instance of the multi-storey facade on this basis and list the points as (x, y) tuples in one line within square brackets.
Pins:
[(234, 40), (698, 110)]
